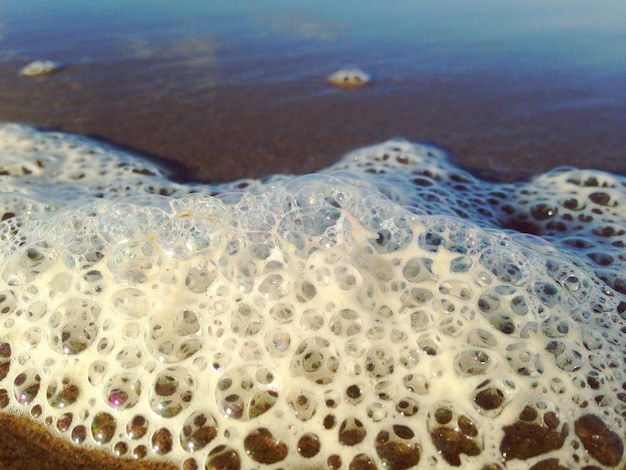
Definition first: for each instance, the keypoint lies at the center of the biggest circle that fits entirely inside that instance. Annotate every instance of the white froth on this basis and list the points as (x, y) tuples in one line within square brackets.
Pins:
[(349, 78), (39, 67), (381, 313)]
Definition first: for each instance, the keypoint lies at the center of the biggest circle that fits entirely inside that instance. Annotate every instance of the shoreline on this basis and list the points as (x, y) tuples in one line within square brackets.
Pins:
[(229, 132)]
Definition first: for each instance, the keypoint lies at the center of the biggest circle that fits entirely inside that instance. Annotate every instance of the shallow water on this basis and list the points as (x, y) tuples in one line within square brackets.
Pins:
[(236, 90), (441, 36)]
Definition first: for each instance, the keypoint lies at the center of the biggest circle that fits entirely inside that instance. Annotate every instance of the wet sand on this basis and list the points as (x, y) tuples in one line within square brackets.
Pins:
[(494, 124), (26, 445)]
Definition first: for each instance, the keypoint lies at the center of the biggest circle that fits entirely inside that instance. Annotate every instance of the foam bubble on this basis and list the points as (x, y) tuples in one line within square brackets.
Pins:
[(40, 67), (388, 312), (349, 78)]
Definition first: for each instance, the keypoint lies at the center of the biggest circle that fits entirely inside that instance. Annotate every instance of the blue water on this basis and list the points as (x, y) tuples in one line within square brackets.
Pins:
[(411, 37)]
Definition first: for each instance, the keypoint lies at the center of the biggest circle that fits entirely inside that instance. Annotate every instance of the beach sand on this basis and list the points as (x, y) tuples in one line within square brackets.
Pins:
[(26, 445), (493, 124)]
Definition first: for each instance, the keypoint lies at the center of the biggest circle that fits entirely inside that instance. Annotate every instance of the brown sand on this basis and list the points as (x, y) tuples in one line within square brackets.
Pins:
[(25, 445), (494, 124)]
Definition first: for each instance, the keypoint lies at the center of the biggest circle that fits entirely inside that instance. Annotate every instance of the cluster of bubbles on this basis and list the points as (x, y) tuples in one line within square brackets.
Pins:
[(38, 68), (349, 78), (383, 313)]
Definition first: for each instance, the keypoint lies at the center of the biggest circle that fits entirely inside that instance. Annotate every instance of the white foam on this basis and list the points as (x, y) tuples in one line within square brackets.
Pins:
[(381, 310), (349, 78), (39, 67)]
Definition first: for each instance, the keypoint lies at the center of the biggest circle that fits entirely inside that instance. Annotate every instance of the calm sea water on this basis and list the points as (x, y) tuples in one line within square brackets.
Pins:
[(194, 61), (407, 37)]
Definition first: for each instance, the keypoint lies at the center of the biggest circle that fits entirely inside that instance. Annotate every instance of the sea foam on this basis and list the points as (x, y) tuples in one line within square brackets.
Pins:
[(387, 312), (39, 68)]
